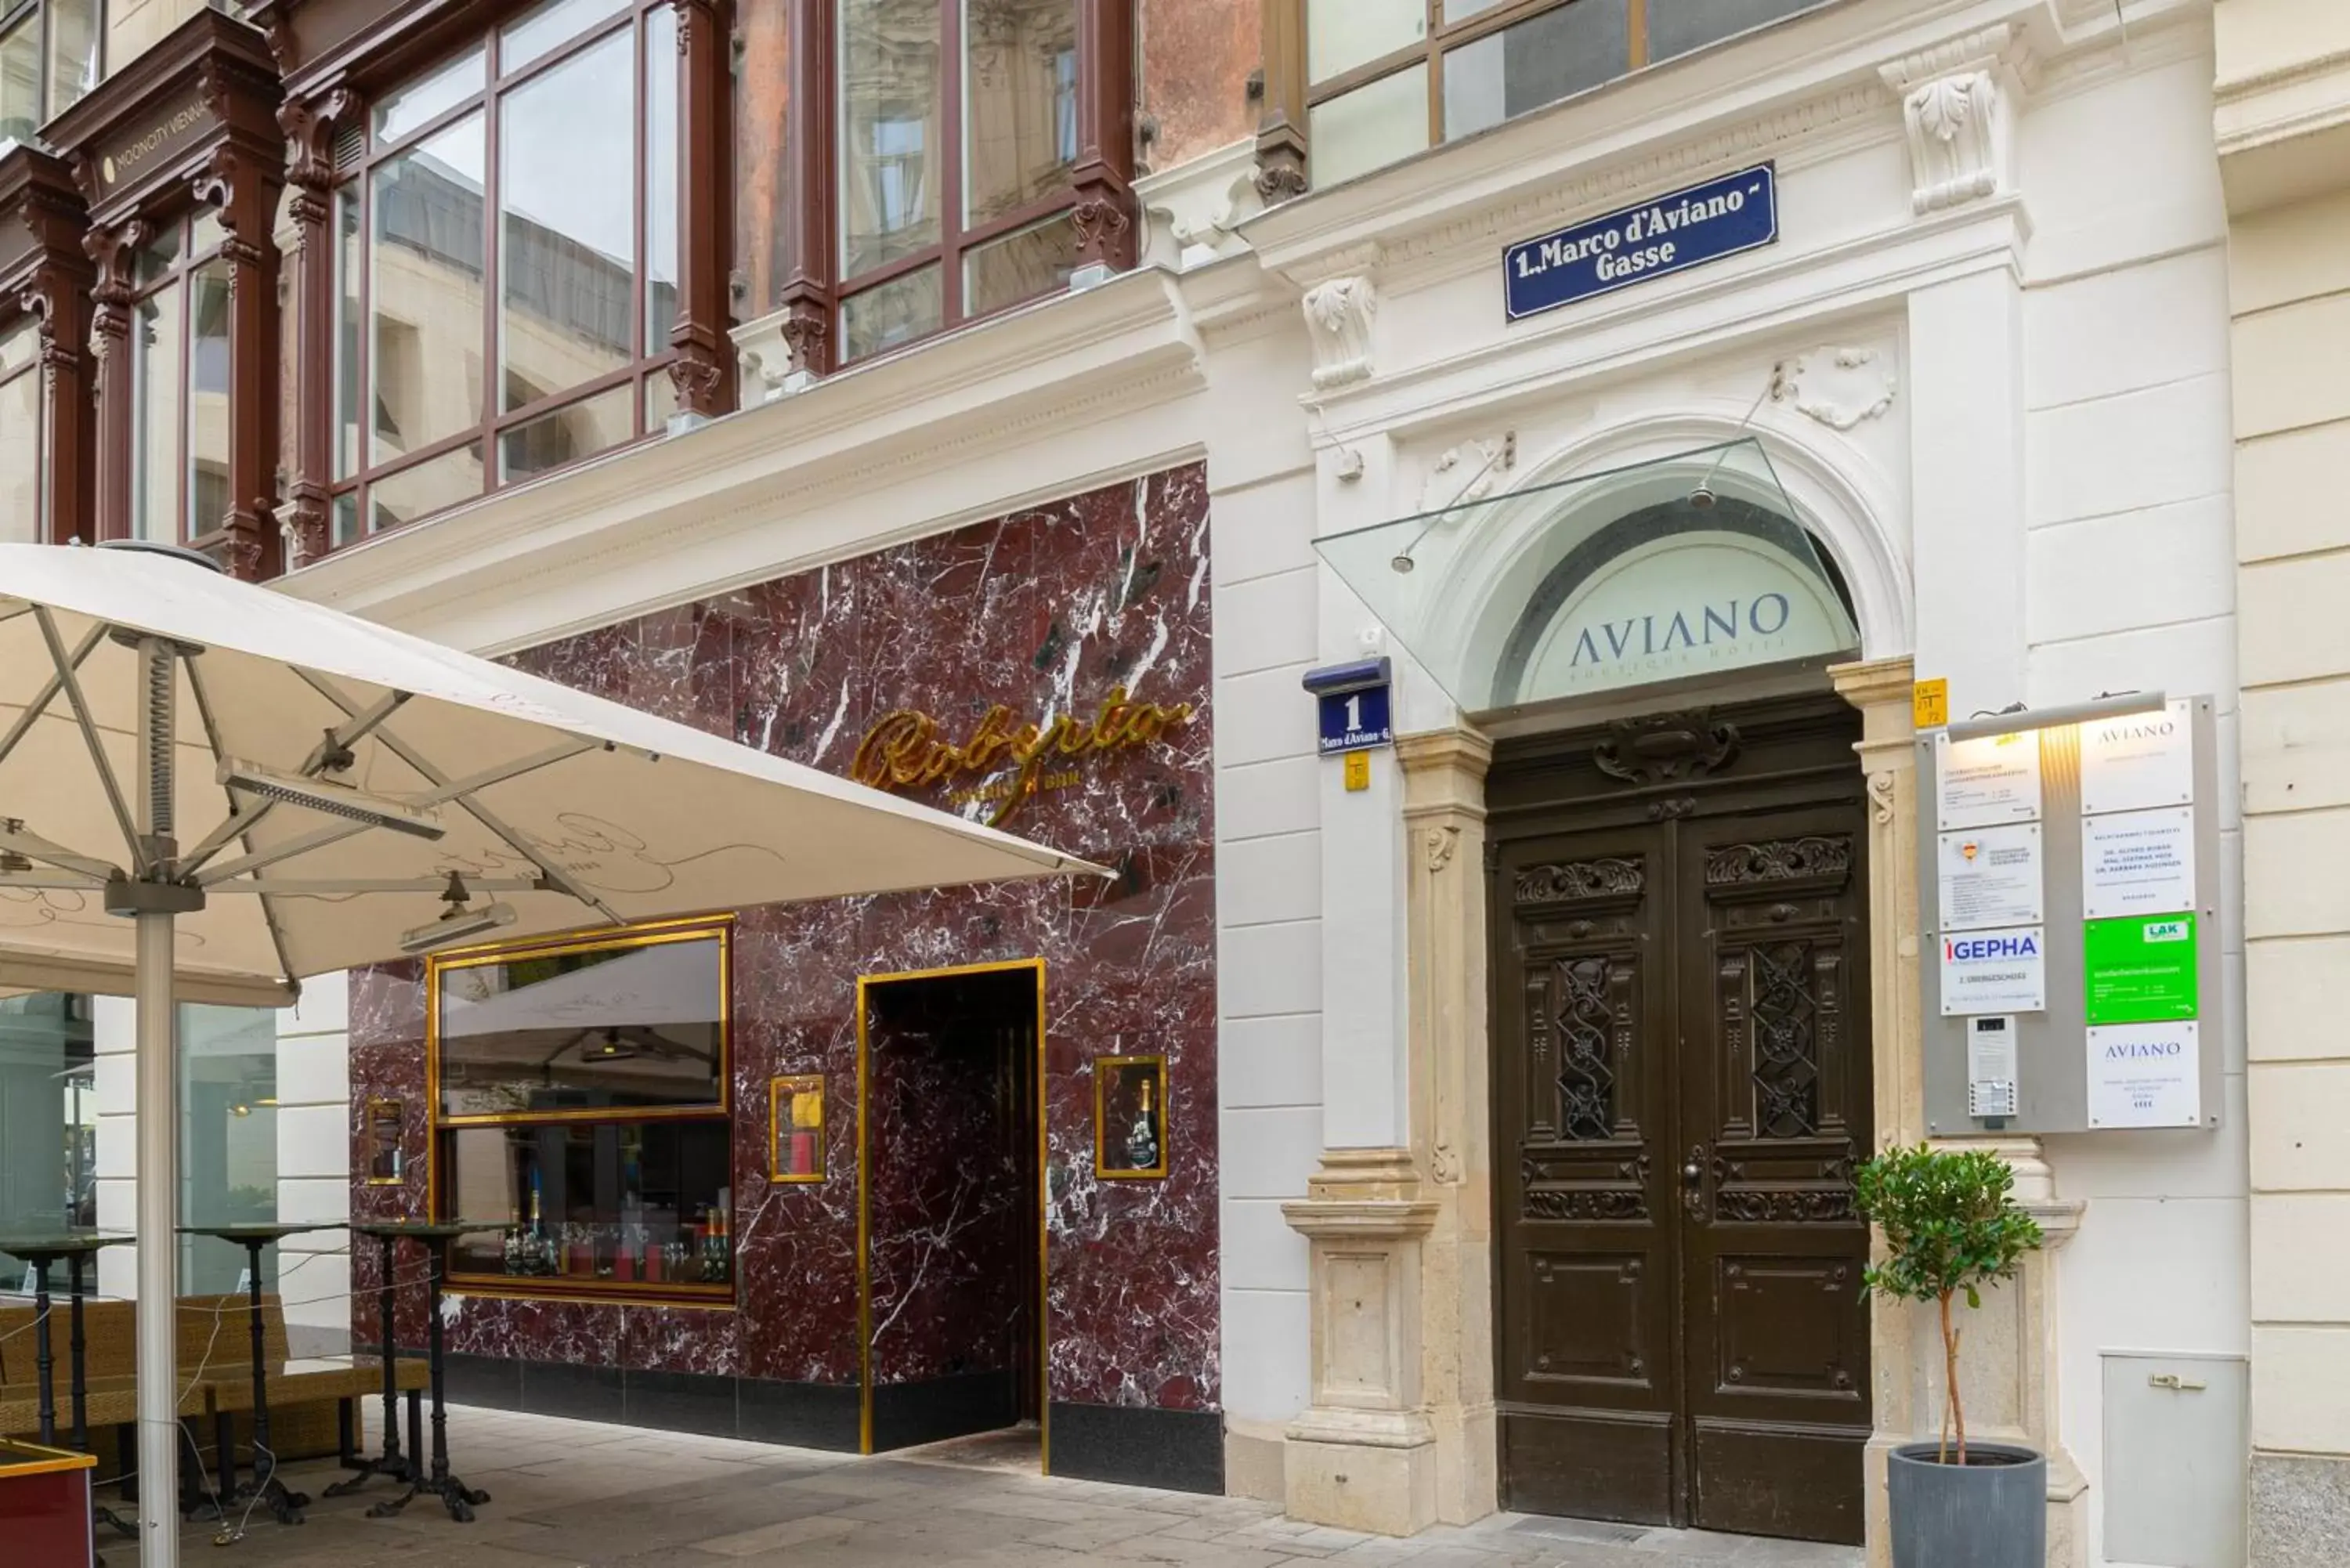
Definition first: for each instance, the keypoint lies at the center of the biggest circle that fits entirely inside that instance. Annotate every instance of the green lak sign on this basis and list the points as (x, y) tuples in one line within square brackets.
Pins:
[(2141, 969)]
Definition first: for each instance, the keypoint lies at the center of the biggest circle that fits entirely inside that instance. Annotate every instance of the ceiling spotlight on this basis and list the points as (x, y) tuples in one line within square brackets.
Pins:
[(457, 923), (1702, 498), (1402, 563), (611, 1048), (10, 860), (332, 800)]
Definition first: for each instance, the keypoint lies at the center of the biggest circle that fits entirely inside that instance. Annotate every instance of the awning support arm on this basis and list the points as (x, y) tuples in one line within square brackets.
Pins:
[(72, 684), (48, 693), (33, 846)]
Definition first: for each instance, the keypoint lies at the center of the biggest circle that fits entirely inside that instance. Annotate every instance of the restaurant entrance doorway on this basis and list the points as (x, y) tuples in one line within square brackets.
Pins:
[(950, 1210)]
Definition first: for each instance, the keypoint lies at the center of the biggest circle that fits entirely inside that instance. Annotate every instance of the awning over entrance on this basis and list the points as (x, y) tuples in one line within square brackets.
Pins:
[(1685, 566)]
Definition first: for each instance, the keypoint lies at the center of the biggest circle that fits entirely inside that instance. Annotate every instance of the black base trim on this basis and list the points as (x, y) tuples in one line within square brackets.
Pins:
[(1175, 1451), (932, 1411), (801, 1415)]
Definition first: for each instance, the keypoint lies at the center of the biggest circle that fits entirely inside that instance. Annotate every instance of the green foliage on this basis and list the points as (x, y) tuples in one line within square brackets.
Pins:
[(1949, 1226)]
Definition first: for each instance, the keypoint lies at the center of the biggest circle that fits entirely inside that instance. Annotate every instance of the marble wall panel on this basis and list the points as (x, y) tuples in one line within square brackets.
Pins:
[(1044, 611)]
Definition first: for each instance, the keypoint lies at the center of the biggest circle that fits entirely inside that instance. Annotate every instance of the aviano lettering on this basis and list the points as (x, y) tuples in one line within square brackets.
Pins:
[(2133, 1049), (905, 750), (1646, 636)]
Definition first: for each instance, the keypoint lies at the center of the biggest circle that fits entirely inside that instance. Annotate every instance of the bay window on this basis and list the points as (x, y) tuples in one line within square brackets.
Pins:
[(1370, 82), (506, 260), (180, 382), (922, 163), (24, 463), (50, 54)]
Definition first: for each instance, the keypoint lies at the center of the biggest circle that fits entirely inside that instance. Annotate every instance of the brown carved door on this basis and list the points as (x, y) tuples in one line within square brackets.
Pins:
[(1681, 1087)]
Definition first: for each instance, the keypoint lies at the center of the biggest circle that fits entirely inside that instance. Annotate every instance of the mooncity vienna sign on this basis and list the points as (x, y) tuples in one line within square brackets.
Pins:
[(1669, 233), (905, 750)]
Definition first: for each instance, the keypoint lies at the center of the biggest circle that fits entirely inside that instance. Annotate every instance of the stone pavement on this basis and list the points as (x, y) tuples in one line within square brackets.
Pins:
[(571, 1494)]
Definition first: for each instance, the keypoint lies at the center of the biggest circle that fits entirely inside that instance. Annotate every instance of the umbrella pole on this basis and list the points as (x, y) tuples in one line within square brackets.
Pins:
[(159, 1190)]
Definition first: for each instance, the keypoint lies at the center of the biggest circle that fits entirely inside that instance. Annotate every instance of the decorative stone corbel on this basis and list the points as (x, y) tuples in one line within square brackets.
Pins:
[(1840, 387), (1338, 315), (1959, 101)]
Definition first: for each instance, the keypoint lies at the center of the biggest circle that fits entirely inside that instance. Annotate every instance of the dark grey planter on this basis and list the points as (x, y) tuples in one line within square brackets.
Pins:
[(1976, 1515)]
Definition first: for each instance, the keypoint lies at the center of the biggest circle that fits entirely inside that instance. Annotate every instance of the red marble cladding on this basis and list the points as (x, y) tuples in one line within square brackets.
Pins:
[(1043, 610)]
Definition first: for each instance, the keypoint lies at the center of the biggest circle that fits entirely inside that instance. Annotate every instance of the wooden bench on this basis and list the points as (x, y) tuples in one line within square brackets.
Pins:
[(215, 1354)]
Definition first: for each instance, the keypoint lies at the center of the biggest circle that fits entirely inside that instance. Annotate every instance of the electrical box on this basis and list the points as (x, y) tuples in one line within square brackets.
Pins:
[(2069, 887)]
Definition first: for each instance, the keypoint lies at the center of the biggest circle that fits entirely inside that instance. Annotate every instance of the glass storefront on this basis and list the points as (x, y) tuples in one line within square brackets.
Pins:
[(48, 1119), (228, 1141)]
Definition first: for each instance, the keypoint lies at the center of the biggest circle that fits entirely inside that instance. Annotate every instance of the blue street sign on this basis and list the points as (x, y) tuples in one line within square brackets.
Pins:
[(1669, 233), (1354, 721)]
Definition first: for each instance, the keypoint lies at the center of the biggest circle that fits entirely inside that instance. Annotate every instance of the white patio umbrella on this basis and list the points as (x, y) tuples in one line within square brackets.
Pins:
[(209, 791)]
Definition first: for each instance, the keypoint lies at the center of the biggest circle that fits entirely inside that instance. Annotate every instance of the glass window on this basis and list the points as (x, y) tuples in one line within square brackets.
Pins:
[(157, 389), (896, 312), (889, 98), (581, 1097), (1368, 63), (228, 1141), (48, 60), (1020, 265), (24, 474), (208, 497), (574, 127), (180, 411), (48, 1122), (1019, 105)]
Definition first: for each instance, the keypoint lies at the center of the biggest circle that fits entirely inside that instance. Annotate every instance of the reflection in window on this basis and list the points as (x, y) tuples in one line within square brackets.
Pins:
[(48, 1122), (582, 1099), (49, 58), (572, 117), (1013, 99), (24, 468), (228, 1141)]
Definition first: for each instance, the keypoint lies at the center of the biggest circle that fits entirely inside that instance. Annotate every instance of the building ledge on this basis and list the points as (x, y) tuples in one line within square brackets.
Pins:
[(2282, 133), (728, 502)]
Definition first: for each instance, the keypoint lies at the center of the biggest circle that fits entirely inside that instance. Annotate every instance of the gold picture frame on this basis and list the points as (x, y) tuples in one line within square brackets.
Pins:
[(386, 1145), (796, 1127), (1129, 1117)]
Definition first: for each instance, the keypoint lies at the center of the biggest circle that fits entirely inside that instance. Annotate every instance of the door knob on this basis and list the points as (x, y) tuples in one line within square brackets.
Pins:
[(1692, 1173)]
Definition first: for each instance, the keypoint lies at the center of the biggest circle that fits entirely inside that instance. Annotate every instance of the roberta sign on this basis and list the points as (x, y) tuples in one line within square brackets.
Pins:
[(1684, 229)]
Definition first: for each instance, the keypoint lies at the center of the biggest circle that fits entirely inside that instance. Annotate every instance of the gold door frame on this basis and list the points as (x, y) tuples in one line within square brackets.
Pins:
[(865, 982)]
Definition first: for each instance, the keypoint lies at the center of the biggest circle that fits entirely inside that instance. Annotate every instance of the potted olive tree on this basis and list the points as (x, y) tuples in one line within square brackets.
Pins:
[(1950, 1228)]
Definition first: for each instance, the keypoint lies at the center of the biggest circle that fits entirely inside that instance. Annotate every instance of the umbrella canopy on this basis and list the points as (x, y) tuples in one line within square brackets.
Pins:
[(332, 774), (269, 789)]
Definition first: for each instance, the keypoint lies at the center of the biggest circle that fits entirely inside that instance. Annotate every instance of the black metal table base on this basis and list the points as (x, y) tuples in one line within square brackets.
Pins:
[(284, 1504), (394, 1465), (455, 1495)]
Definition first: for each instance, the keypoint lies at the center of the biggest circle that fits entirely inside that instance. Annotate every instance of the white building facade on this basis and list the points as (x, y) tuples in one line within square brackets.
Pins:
[(1982, 366)]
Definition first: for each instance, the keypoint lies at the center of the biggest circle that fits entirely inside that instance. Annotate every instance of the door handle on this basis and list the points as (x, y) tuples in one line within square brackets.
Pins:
[(2175, 1382), (1692, 1173)]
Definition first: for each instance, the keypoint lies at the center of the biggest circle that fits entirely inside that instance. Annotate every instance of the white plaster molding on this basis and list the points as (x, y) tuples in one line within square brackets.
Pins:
[(1838, 386), (1467, 471), (1192, 213), (1959, 101), (1338, 316)]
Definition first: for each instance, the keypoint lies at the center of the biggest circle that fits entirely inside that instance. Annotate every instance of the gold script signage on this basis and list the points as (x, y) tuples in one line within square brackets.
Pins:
[(167, 134), (906, 750)]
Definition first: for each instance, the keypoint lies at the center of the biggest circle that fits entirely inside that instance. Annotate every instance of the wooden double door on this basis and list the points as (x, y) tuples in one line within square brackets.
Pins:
[(1681, 1089)]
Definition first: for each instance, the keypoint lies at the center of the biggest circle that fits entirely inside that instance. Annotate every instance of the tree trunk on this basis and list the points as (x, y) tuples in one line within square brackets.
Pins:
[(1951, 1382)]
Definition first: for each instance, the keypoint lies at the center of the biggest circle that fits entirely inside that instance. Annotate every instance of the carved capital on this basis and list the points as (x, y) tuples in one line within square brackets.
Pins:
[(303, 522), (806, 333), (310, 126), (697, 379), (1338, 316), (1958, 103), (1102, 225)]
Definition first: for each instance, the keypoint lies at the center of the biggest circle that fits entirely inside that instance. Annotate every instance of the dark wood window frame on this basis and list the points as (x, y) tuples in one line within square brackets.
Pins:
[(15, 13), (177, 277), (1098, 197), (339, 53), (48, 280)]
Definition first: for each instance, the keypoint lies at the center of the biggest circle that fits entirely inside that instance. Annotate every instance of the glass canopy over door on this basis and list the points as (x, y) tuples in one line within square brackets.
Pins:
[(1676, 569)]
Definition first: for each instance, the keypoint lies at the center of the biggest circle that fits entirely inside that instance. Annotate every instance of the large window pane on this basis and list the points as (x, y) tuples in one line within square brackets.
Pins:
[(208, 418), (1677, 27), (890, 159), (1019, 102), (582, 430), (425, 292), (1024, 264), (1343, 33), (898, 311), (22, 502), (557, 22), (158, 405), (567, 250), (20, 79), (48, 1122), (1370, 127), (630, 1203), (431, 484), (1539, 60), (631, 1027), (660, 177), (228, 1141), (404, 113), (75, 28)]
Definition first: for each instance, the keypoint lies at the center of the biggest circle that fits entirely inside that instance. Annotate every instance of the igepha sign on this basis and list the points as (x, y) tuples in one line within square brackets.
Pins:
[(1666, 235)]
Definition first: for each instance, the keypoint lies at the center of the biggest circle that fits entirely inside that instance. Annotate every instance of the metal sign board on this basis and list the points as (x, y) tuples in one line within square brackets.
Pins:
[(1665, 235), (1352, 721)]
